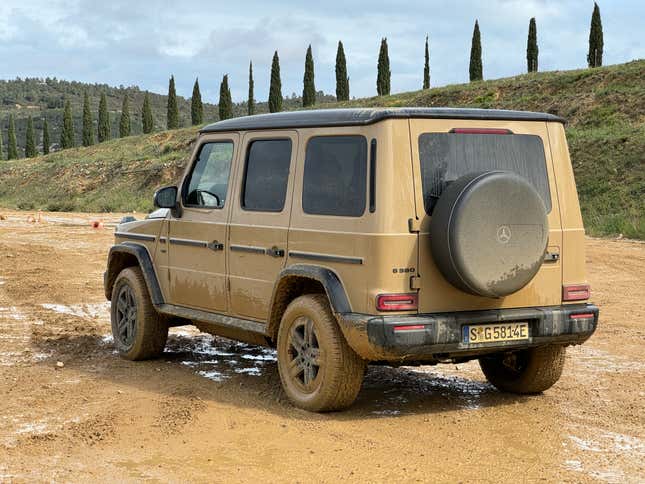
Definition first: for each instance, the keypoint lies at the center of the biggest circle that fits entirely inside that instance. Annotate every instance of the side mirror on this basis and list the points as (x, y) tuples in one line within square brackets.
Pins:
[(166, 197)]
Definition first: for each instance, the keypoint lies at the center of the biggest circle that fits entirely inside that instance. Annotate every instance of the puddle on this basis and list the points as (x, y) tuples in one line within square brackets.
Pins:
[(216, 358)]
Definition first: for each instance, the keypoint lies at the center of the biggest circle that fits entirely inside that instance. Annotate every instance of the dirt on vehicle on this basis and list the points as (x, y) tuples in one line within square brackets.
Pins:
[(213, 410)]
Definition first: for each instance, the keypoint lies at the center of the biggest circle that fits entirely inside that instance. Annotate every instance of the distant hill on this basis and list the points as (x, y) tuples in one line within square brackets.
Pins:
[(45, 98), (606, 131)]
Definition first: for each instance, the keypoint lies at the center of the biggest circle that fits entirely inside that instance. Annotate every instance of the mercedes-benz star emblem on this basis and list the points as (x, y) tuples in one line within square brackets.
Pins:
[(504, 234)]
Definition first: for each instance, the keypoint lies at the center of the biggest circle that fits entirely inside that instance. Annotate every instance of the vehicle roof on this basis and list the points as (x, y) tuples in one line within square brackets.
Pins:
[(365, 116)]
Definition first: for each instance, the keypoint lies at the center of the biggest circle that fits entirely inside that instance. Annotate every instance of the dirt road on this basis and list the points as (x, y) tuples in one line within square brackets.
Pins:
[(212, 410)]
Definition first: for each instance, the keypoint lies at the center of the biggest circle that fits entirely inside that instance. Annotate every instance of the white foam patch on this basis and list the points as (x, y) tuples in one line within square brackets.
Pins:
[(255, 371), (85, 311), (32, 428), (213, 375), (265, 357), (573, 465)]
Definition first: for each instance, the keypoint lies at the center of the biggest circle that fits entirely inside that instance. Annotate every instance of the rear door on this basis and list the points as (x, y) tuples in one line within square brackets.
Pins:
[(260, 220), (440, 157), (196, 239)]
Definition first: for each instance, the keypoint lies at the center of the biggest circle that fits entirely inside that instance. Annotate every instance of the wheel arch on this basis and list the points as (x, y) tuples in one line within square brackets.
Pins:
[(128, 254), (300, 279)]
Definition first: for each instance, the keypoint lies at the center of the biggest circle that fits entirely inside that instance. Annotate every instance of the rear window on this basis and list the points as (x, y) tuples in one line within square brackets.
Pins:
[(446, 157), (335, 176)]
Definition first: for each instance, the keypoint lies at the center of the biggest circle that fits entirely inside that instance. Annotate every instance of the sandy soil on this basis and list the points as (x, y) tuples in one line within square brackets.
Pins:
[(212, 409)]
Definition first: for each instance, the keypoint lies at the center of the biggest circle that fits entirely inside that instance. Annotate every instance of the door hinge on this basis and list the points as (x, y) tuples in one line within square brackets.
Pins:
[(414, 225), (415, 282)]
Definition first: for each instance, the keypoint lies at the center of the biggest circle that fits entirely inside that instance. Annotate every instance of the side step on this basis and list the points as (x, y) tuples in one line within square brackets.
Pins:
[(220, 325)]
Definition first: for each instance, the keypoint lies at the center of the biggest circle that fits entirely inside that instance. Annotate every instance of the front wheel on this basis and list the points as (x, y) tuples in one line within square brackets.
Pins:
[(526, 371), (139, 332), (318, 369)]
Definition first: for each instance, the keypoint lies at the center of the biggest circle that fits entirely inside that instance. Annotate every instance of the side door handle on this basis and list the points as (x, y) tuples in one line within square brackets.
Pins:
[(215, 245), (275, 252)]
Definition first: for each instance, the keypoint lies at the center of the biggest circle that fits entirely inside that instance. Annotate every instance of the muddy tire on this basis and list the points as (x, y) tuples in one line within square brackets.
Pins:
[(318, 369), (528, 371), (139, 332)]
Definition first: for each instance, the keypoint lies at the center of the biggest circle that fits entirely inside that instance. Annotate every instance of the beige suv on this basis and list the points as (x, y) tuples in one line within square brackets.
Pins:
[(354, 236)]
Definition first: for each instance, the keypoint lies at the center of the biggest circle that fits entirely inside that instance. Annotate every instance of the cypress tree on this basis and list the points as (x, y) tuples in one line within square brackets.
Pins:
[(1, 149), (275, 88), (251, 101), (225, 102), (67, 133), (30, 142), (105, 129), (383, 76), (426, 68), (146, 115), (12, 148), (309, 87), (173, 110), (342, 81), (88, 123), (594, 57), (45, 137), (475, 68), (196, 106), (532, 47), (124, 122)]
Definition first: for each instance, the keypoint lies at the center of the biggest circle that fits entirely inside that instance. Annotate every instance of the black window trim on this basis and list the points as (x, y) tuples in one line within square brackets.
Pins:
[(246, 163), (187, 179), (304, 166), (372, 175)]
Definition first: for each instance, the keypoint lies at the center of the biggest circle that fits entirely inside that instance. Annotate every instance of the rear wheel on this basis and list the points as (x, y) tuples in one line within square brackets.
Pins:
[(527, 371), (318, 369), (139, 332)]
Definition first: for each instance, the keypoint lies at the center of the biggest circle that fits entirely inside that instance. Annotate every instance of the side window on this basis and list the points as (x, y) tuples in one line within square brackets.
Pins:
[(208, 181), (335, 176), (266, 175)]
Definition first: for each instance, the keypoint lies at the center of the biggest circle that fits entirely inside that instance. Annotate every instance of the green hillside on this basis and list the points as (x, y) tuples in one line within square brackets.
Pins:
[(605, 108), (45, 99)]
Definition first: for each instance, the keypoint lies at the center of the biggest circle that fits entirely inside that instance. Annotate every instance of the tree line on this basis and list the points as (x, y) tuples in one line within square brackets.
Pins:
[(275, 101)]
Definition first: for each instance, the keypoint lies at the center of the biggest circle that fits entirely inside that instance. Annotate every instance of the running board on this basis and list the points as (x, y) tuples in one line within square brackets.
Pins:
[(214, 323)]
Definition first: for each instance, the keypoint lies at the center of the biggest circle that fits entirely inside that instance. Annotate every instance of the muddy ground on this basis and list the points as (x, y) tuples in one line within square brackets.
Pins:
[(212, 409)]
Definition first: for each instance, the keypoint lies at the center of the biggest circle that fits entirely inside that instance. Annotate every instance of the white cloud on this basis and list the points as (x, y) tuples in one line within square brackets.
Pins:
[(129, 42)]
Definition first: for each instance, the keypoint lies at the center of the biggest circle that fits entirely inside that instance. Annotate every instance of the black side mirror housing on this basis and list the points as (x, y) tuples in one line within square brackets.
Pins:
[(166, 197)]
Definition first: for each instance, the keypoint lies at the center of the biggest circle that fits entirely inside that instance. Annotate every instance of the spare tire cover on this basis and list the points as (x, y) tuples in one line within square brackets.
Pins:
[(489, 233)]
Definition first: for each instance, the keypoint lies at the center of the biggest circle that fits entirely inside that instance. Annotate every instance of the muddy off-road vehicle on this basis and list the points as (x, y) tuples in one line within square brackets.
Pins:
[(356, 236)]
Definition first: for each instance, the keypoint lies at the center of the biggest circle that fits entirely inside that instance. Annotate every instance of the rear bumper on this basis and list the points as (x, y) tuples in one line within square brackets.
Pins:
[(437, 337)]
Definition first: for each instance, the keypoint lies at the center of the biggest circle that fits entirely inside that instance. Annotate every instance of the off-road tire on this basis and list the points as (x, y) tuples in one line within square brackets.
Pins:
[(537, 369), (341, 370), (150, 328)]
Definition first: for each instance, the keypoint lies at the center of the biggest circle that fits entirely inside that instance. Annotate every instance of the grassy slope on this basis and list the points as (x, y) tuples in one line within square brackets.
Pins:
[(605, 108)]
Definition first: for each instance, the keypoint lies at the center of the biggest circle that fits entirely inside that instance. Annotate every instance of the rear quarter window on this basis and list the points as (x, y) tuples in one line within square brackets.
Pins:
[(335, 177), (445, 157)]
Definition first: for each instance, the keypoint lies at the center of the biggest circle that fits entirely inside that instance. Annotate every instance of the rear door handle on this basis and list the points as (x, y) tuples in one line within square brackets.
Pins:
[(551, 256), (215, 245), (275, 252)]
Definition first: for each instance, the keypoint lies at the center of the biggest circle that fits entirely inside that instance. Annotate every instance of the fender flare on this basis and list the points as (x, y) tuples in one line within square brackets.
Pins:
[(328, 278), (144, 260)]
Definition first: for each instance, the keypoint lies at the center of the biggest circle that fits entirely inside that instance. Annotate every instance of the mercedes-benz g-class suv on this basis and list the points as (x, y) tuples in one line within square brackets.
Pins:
[(354, 236)]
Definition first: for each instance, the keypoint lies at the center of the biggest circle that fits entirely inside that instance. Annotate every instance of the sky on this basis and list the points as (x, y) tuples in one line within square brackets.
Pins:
[(130, 42)]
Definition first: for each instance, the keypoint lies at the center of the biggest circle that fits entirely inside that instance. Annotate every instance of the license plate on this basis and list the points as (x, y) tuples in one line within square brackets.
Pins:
[(493, 333)]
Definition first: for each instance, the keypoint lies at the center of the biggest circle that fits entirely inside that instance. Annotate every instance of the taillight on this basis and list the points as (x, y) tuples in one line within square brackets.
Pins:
[(581, 316), (576, 292), (397, 302), (480, 131)]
